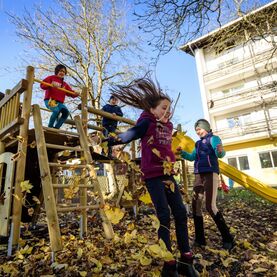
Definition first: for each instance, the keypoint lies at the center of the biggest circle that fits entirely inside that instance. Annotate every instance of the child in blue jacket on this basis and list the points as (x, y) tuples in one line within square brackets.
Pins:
[(205, 156), (110, 125)]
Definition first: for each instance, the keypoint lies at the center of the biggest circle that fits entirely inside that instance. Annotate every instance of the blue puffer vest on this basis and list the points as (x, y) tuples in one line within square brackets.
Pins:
[(206, 159)]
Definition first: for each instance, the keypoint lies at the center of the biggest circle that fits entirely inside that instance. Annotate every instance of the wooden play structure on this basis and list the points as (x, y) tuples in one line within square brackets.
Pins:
[(38, 155)]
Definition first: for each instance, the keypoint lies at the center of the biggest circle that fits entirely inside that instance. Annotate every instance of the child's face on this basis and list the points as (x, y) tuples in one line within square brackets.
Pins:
[(61, 73), (162, 111), (201, 132), (114, 101)]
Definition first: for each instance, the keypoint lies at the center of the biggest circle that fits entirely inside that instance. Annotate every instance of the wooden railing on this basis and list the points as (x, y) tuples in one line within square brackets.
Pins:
[(10, 115)]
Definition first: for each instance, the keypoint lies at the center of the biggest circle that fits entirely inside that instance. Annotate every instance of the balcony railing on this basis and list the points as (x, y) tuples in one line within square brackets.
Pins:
[(251, 128), (239, 65), (228, 99)]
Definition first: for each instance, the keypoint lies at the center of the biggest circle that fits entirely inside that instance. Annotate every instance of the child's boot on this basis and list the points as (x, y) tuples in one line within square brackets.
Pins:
[(185, 266), (199, 231), (227, 238), (169, 269)]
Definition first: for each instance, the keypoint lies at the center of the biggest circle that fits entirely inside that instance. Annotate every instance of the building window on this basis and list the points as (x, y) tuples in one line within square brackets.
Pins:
[(233, 122), (268, 159), (240, 162), (243, 163), (233, 90), (233, 162), (239, 121)]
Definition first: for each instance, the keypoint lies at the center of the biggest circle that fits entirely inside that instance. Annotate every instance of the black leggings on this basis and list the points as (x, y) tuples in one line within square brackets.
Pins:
[(164, 200)]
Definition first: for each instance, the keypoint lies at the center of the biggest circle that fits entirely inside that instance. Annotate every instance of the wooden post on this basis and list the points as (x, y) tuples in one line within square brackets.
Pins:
[(184, 172), (83, 191), (48, 192), (108, 229), (2, 150), (22, 149), (185, 181)]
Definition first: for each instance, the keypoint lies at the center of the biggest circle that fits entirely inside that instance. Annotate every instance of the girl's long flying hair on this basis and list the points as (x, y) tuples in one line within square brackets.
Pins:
[(141, 93)]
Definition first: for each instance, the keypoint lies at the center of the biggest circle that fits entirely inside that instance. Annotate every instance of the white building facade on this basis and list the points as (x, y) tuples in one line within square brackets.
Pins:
[(239, 95)]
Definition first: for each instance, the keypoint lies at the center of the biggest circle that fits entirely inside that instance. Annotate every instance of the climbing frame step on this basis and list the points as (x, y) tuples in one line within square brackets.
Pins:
[(86, 180)]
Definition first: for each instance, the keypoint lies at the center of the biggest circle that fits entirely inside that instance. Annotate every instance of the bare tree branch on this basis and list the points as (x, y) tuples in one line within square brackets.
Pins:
[(172, 22), (88, 37)]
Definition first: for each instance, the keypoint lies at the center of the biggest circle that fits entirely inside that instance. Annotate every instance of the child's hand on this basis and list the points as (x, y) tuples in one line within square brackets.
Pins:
[(178, 151), (219, 148)]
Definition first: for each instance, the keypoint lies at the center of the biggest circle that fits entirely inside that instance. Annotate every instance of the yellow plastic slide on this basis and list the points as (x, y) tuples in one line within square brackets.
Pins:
[(251, 183)]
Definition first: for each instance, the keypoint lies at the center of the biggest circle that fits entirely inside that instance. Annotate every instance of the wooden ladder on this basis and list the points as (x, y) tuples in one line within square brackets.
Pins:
[(48, 186)]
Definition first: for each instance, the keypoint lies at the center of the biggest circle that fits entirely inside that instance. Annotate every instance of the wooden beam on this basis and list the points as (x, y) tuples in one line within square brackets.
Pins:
[(83, 190), (22, 148), (50, 85), (111, 116), (48, 192), (108, 229), (16, 122)]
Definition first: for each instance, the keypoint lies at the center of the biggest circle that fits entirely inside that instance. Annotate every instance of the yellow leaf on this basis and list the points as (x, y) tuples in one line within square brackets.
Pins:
[(142, 239), (20, 139), (33, 144), (232, 230), (150, 140), (166, 255), (127, 196), (79, 252), (228, 261), (128, 237), (66, 153), (145, 198), (155, 221), (59, 266), (30, 211), (156, 152), (168, 167), (97, 263), (125, 157), (222, 253), (179, 139), (131, 226), (36, 200), (104, 145), (114, 214), (135, 167), (145, 261), (26, 186), (260, 270), (247, 245), (169, 184), (155, 250), (106, 260), (83, 273)]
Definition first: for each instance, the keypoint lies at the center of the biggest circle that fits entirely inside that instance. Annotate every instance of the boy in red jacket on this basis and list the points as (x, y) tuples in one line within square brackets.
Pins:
[(54, 98)]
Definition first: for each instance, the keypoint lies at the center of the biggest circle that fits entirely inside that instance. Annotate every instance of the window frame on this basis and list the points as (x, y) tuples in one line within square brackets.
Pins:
[(237, 161), (274, 165)]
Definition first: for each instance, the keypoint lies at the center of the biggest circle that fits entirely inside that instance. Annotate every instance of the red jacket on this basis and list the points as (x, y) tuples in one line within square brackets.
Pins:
[(54, 93)]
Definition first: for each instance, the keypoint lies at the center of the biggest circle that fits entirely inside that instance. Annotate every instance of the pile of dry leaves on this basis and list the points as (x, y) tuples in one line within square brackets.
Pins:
[(135, 250)]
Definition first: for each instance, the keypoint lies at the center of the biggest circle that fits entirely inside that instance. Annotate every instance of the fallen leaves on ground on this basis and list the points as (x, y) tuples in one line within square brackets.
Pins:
[(136, 251)]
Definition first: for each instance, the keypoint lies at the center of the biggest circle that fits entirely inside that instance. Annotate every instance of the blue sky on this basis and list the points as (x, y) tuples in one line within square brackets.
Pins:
[(175, 71)]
